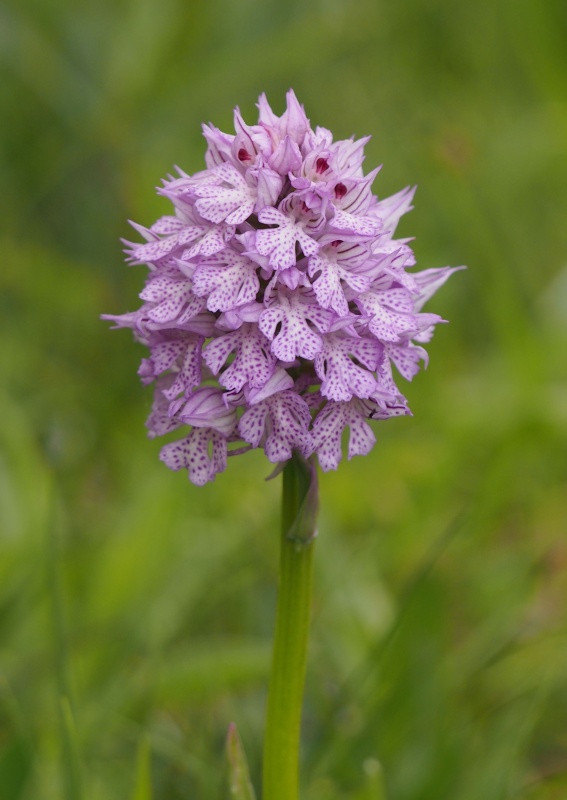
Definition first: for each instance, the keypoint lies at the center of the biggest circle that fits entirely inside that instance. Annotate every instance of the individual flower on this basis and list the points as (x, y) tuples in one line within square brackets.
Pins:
[(278, 299)]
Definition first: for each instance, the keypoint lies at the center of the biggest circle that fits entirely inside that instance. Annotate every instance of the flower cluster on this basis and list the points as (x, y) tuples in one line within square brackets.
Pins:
[(277, 298)]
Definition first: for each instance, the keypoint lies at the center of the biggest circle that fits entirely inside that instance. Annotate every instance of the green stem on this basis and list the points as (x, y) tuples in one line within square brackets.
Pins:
[(285, 699)]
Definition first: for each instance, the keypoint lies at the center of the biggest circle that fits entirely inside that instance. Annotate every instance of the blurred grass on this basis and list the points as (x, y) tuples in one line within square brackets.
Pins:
[(142, 605)]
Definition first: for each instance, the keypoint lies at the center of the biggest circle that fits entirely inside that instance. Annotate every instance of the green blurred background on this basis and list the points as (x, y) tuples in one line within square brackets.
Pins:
[(136, 608)]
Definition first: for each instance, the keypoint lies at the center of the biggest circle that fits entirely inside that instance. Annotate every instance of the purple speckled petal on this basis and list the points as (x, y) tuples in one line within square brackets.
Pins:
[(252, 423), (229, 199), (389, 325), (279, 243), (366, 227), (171, 297), (194, 454), (328, 428), (406, 357), (342, 378), (160, 421), (295, 337), (167, 225), (253, 363), (188, 374), (228, 280), (211, 241), (327, 433), (288, 417), (362, 438), (328, 275)]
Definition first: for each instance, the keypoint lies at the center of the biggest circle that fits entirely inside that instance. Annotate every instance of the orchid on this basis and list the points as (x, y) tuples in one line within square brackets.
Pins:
[(278, 307), (278, 298)]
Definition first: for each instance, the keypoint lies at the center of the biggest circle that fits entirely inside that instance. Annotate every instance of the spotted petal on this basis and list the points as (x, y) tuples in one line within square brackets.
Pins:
[(279, 243), (329, 273), (406, 357), (253, 363), (295, 337), (342, 378), (229, 199), (227, 280), (171, 296), (391, 317), (280, 423), (328, 429), (203, 453)]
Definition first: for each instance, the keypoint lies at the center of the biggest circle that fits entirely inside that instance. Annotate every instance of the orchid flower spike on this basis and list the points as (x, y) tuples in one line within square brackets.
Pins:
[(277, 299)]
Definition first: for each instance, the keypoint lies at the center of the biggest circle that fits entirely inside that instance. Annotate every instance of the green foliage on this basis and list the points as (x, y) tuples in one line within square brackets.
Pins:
[(143, 788), (239, 785), (135, 607)]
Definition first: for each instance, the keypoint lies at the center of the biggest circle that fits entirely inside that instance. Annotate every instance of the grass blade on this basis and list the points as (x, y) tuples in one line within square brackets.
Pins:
[(240, 787), (143, 788)]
